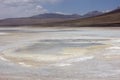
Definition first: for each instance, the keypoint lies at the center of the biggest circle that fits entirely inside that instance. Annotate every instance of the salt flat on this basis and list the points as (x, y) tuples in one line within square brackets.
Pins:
[(28, 53)]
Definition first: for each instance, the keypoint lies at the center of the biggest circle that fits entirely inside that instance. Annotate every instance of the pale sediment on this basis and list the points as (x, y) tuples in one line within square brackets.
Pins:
[(45, 59), (54, 54)]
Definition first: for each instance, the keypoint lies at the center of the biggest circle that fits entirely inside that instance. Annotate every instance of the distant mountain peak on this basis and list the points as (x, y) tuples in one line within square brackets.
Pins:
[(118, 7), (56, 15), (93, 13)]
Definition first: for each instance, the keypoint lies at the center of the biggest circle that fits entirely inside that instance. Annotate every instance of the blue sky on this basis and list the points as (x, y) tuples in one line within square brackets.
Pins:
[(83, 6), (25, 8)]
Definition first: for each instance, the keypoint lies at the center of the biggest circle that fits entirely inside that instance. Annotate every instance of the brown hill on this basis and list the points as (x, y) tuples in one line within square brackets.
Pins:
[(111, 18)]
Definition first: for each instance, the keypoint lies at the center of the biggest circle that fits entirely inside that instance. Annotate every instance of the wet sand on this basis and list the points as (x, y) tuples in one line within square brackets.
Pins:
[(59, 53)]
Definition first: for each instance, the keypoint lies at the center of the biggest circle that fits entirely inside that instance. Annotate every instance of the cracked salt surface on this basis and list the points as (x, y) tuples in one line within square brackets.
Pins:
[(70, 62), (4, 59), (82, 67), (25, 65), (3, 33)]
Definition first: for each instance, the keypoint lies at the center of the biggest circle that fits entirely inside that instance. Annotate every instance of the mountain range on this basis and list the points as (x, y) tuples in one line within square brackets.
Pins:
[(111, 18), (38, 19), (93, 18), (56, 15)]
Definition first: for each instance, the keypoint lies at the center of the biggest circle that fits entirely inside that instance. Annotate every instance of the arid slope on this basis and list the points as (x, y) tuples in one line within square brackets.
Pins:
[(108, 19)]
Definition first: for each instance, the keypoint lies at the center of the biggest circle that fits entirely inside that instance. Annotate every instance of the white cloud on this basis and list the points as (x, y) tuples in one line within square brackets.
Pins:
[(27, 1), (22, 8)]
